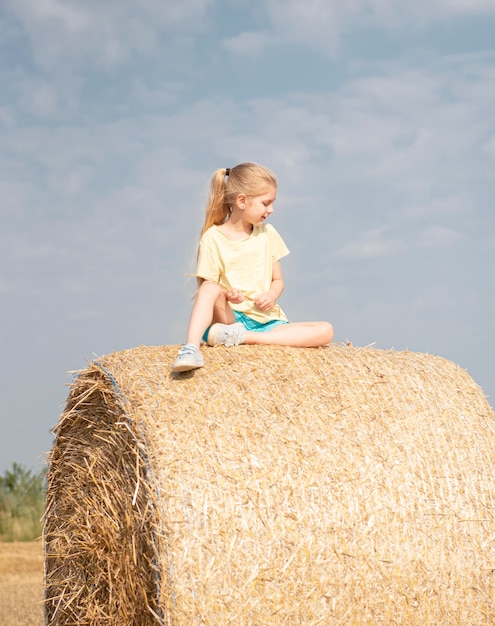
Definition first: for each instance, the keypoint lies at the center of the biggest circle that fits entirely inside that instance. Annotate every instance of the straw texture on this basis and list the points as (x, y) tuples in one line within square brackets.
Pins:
[(274, 486)]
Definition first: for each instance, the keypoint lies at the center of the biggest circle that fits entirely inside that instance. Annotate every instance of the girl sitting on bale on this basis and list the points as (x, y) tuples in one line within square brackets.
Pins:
[(239, 272)]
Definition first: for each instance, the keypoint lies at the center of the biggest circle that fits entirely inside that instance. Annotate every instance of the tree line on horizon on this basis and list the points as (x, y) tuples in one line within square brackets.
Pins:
[(22, 502)]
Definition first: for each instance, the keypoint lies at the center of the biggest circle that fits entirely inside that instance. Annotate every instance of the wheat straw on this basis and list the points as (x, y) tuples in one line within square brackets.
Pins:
[(274, 486)]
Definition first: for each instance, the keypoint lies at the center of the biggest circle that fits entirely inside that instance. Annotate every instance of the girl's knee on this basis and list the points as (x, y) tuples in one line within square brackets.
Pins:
[(327, 332), (211, 290)]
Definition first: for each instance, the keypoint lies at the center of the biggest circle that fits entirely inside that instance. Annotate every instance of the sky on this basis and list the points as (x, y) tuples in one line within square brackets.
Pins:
[(378, 117)]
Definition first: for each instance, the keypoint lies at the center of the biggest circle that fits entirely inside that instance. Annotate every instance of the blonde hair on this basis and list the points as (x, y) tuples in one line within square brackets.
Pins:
[(226, 184)]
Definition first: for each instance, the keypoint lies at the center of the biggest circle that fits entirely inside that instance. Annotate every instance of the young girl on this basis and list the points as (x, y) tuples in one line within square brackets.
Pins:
[(239, 273)]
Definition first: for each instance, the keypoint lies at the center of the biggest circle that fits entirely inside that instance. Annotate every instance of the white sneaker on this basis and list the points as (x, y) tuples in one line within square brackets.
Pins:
[(226, 334), (189, 358)]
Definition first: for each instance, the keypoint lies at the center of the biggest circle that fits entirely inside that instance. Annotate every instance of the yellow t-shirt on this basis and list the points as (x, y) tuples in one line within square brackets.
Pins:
[(245, 264)]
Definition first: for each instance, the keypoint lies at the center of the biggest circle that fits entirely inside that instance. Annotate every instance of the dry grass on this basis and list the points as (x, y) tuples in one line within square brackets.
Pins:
[(21, 584), (274, 486)]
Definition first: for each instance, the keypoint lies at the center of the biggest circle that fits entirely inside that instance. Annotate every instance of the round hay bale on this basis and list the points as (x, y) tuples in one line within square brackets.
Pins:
[(274, 486)]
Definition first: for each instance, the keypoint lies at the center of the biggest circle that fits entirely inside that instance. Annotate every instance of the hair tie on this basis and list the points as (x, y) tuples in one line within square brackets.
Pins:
[(227, 171)]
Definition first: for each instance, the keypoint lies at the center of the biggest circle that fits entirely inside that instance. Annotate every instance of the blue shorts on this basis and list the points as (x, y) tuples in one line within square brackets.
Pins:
[(250, 324)]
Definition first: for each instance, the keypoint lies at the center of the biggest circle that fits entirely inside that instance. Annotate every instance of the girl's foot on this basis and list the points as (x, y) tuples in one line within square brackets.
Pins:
[(226, 334), (189, 358)]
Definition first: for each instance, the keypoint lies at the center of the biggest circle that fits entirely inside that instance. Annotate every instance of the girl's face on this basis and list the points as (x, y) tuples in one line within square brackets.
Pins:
[(256, 209)]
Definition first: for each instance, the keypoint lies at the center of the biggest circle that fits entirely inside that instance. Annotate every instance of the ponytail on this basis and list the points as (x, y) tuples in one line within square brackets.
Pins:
[(217, 208)]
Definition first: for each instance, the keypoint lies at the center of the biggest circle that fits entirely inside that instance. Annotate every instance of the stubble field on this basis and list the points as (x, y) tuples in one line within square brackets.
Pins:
[(21, 584)]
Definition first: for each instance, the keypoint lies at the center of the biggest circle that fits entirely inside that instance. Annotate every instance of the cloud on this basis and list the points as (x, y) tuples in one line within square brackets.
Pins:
[(415, 128), (464, 6), (248, 43), (448, 205), (439, 237), (101, 33), (106, 34), (489, 147), (373, 243), (322, 24), (316, 23), (71, 18)]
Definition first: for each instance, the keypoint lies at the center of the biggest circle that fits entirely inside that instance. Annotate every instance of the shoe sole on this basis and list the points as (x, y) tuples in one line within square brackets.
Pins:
[(185, 367), (212, 339)]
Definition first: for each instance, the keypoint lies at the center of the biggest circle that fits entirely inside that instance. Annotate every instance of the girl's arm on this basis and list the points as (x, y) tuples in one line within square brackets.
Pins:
[(266, 301)]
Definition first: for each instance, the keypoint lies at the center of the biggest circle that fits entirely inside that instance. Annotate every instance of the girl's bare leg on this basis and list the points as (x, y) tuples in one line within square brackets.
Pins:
[(210, 306), (296, 334)]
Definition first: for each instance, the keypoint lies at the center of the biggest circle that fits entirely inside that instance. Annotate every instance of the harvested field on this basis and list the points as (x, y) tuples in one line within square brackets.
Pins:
[(21, 584), (274, 486)]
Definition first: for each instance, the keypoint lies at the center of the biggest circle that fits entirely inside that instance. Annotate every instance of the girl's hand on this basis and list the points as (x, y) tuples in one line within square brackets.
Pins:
[(234, 296), (265, 301)]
